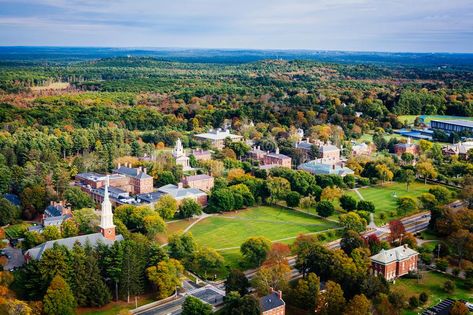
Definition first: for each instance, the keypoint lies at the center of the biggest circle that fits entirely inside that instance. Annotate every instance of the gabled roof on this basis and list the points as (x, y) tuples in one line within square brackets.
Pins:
[(325, 168), (304, 145), (92, 239), (180, 193), (132, 172), (150, 197), (271, 301), (198, 177), (218, 135), (56, 220), (397, 254), (459, 122), (54, 210), (328, 148), (278, 156)]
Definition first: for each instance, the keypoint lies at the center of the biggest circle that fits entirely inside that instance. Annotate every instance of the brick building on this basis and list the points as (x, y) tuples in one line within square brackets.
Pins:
[(202, 155), (203, 182), (277, 159), (268, 160), (394, 262), (138, 181), (93, 180), (408, 147), (329, 151), (273, 304), (180, 193), (217, 137)]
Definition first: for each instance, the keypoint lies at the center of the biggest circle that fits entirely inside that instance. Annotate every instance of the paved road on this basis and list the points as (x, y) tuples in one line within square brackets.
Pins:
[(16, 258), (209, 294), (173, 307)]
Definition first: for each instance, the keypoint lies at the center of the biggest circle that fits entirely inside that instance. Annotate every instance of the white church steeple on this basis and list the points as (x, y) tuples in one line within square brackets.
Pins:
[(178, 150), (107, 228)]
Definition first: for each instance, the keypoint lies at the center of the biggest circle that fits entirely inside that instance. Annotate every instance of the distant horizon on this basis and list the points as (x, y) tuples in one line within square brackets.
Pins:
[(151, 48)]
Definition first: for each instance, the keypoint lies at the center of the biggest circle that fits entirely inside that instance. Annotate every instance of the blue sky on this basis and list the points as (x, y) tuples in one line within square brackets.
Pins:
[(360, 25)]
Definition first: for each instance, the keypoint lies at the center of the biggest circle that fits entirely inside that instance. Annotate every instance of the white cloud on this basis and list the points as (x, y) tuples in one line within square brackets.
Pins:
[(312, 24)]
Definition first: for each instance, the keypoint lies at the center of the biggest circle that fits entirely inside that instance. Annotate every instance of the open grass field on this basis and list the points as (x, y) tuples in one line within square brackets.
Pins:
[(174, 227), (232, 229), (369, 137), (431, 283), (427, 118), (383, 197)]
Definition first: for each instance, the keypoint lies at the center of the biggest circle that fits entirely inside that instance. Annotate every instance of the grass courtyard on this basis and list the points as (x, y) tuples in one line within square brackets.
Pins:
[(277, 224), (384, 200), (431, 283)]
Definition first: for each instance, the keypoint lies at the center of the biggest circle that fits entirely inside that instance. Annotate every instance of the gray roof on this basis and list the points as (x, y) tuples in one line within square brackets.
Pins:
[(270, 302), (218, 135), (304, 145), (92, 239), (325, 168), (96, 177), (328, 148), (56, 220), (459, 122), (405, 145), (150, 197), (198, 177), (394, 254), (278, 155), (180, 193), (132, 172), (54, 210)]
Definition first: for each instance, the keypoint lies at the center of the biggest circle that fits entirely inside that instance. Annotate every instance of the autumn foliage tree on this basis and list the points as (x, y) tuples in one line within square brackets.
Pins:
[(396, 229)]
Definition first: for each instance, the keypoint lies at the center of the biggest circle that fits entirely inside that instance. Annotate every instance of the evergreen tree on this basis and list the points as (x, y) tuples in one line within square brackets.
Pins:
[(113, 263), (79, 274), (131, 281), (59, 299), (98, 293)]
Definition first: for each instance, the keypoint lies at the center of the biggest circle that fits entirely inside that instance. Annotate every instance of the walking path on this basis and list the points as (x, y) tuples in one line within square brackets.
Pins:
[(358, 193), (282, 239), (201, 217)]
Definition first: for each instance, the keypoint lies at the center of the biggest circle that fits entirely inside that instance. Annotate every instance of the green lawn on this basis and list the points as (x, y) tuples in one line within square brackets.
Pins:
[(114, 308), (427, 118), (17, 230), (232, 229), (431, 283), (385, 202)]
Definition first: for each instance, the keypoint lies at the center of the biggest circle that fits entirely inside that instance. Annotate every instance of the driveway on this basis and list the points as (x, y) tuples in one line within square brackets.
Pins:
[(16, 258)]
